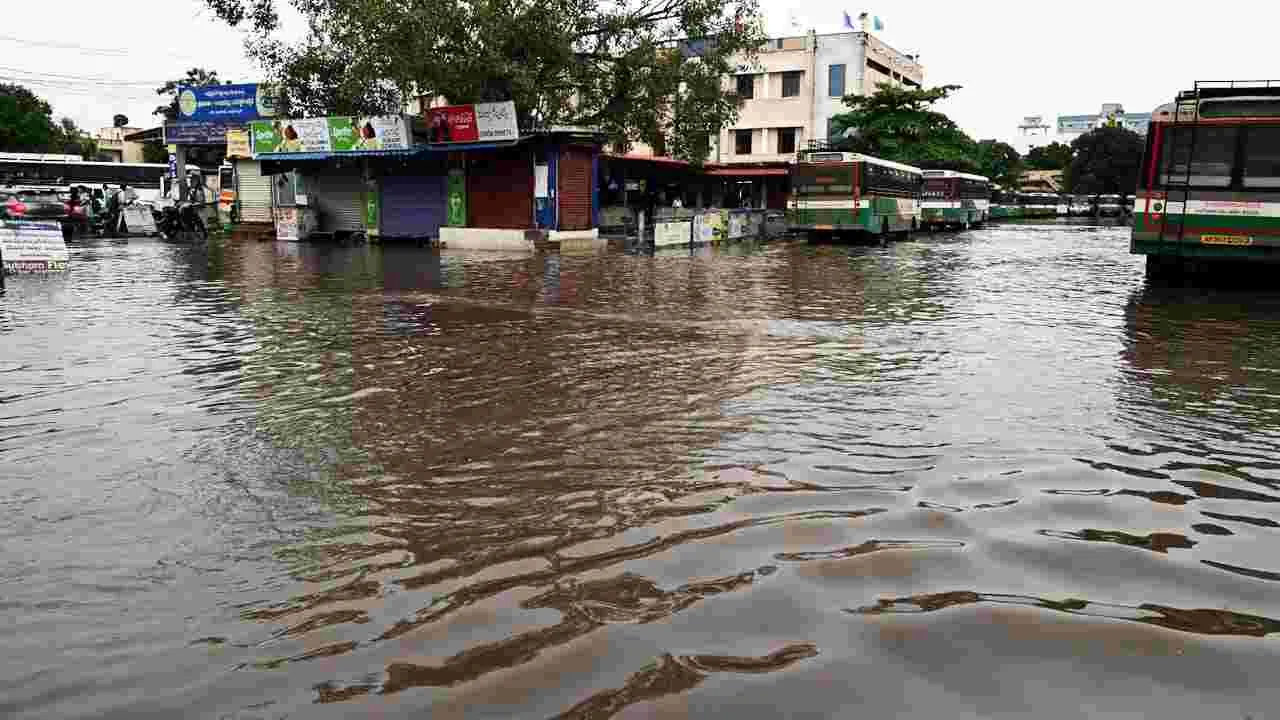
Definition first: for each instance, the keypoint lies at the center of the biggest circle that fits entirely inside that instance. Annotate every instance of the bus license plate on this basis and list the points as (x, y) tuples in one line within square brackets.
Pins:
[(1225, 240)]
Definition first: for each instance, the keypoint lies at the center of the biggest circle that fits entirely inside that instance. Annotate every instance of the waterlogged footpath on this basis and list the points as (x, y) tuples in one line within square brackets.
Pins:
[(986, 475)]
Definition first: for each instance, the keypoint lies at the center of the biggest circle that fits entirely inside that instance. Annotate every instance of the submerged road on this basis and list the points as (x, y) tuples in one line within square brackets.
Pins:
[(968, 476)]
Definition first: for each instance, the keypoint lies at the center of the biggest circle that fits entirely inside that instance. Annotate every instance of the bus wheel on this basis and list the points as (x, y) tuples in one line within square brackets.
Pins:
[(884, 233)]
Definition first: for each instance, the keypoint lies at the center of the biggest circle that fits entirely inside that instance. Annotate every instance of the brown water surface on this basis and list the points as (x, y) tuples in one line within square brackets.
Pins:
[(986, 475)]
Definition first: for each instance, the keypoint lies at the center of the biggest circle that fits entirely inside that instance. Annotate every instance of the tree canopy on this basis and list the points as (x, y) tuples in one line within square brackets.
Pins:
[(27, 125), (196, 77), (1054, 156), (641, 70), (1107, 160), (900, 124)]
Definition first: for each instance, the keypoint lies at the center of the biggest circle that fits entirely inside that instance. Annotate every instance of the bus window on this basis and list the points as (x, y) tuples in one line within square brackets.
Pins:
[(1262, 158), (1215, 150)]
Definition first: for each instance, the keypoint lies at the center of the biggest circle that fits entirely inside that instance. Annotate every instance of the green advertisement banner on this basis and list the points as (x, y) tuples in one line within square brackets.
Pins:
[(331, 134), (457, 216)]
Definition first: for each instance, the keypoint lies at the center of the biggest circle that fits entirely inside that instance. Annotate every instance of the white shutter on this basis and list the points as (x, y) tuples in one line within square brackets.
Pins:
[(253, 191)]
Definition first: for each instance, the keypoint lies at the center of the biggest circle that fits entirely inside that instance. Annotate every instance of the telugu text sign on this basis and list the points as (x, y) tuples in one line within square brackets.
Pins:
[(484, 122), (225, 103), (196, 133), (28, 247)]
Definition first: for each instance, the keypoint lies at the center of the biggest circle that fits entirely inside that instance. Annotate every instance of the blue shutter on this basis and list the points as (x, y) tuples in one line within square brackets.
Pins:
[(413, 206)]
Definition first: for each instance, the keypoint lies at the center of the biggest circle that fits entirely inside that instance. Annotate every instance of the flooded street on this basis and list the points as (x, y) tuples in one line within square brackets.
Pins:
[(966, 476)]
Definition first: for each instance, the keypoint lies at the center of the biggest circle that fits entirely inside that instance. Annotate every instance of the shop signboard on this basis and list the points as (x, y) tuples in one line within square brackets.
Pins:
[(32, 247), (235, 104), (290, 136), (294, 223), (330, 134), (675, 232), (197, 133), (385, 132), (238, 145), (483, 122)]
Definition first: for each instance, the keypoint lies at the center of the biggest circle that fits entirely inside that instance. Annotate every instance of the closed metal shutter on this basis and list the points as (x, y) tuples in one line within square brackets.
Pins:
[(574, 186), (413, 206), (339, 200), (500, 189), (253, 192)]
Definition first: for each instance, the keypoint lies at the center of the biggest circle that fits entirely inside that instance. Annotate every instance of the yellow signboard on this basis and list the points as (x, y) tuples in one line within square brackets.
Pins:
[(238, 144), (1225, 240)]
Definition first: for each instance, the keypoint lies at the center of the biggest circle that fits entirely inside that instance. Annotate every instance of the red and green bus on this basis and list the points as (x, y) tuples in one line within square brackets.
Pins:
[(954, 199), (841, 192), (1210, 182)]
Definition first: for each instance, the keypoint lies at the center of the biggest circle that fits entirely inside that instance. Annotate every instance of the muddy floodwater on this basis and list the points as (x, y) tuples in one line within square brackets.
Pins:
[(964, 476)]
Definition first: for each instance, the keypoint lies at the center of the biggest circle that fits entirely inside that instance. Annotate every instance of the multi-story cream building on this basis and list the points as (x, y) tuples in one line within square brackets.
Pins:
[(790, 92), (797, 84)]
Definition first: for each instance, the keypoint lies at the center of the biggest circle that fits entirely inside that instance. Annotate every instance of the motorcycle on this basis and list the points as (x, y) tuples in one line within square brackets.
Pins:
[(181, 219)]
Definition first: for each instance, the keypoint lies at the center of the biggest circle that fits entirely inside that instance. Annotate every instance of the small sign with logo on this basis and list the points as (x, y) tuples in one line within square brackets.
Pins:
[(484, 122), (32, 247), (238, 145), (1236, 240)]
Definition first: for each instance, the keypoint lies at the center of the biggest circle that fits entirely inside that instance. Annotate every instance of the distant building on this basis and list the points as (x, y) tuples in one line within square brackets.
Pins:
[(797, 85), (1033, 131), (1045, 181), (113, 146), (1071, 127)]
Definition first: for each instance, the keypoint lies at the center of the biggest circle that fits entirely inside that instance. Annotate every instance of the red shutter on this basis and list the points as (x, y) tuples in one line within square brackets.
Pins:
[(573, 183), (500, 189)]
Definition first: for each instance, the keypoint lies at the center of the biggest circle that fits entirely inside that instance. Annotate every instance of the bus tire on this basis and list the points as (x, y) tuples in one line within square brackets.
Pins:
[(884, 232)]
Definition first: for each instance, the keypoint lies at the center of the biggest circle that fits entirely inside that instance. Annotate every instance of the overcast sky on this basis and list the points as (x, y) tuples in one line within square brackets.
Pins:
[(1012, 58)]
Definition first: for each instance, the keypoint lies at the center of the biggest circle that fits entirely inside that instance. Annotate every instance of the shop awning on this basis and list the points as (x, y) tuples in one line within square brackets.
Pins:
[(747, 172), (351, 153), (656, 160)]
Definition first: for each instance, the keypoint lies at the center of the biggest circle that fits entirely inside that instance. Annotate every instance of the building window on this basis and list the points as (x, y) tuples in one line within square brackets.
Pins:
[(786, 140), (791, 84), (835, 81), (742, 142), (746, 86), (1262, 158)]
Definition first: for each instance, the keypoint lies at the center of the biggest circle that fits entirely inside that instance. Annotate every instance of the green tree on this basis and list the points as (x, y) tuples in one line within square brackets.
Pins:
[(900, 124), (1107, 161), (1054, 156), (26, 125), (71, 140), (154, 152), (999, 161), (197, 77), (26, 121), (640, 70)]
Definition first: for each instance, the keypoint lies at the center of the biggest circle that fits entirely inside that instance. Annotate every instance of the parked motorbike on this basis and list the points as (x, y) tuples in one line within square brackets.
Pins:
[(181, 219)]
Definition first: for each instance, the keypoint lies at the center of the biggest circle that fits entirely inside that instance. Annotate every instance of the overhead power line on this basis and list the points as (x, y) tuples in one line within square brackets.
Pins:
[(85, 50), (84, 79)]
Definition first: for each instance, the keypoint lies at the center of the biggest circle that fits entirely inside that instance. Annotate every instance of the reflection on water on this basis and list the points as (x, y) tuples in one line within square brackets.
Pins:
[(269, 480)]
